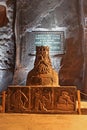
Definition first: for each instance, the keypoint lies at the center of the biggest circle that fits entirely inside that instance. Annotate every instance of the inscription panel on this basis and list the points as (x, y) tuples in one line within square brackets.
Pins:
[(55, 41)]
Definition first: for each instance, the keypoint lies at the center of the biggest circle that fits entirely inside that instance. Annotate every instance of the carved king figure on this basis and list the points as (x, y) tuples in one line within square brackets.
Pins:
[(42, 73)]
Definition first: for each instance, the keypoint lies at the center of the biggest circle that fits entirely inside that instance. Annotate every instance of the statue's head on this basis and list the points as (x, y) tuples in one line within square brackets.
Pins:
[(42, 61), (42, 50)]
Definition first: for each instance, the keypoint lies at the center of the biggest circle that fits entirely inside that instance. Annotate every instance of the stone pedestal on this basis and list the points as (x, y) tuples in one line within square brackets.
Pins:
[(32, 99)]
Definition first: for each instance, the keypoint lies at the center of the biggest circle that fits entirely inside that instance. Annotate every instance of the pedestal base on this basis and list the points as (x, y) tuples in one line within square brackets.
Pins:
[(41, 99)]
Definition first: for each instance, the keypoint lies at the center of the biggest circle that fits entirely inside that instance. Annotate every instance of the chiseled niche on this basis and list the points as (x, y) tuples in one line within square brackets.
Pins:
[(3, 16)]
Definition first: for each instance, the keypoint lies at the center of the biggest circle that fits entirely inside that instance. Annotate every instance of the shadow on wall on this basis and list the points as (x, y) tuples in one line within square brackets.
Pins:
[(71, 72)]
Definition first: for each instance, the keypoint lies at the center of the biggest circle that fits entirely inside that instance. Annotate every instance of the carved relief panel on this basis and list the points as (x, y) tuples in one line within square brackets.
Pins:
[(41, 99)]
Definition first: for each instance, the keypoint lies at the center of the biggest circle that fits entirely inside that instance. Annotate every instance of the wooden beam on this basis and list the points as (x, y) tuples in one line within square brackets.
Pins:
[(3, 101), (79, 101)]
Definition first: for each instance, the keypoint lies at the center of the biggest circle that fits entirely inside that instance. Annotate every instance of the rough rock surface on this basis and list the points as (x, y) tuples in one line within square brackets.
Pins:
[(7, 46)]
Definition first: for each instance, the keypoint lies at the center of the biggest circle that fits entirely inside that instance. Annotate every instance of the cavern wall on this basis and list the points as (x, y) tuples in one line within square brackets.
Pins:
[(7, 46)]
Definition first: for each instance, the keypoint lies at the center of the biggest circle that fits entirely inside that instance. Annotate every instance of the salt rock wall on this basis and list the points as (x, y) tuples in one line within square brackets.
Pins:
[(7, 46), (50, 15)]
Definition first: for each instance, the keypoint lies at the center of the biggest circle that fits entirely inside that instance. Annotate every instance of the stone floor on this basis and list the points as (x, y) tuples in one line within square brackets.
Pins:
[(42, 122), (45, 121)]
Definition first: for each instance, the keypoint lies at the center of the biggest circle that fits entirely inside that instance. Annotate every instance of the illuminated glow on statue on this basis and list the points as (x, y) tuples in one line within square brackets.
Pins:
[(42, 73)]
